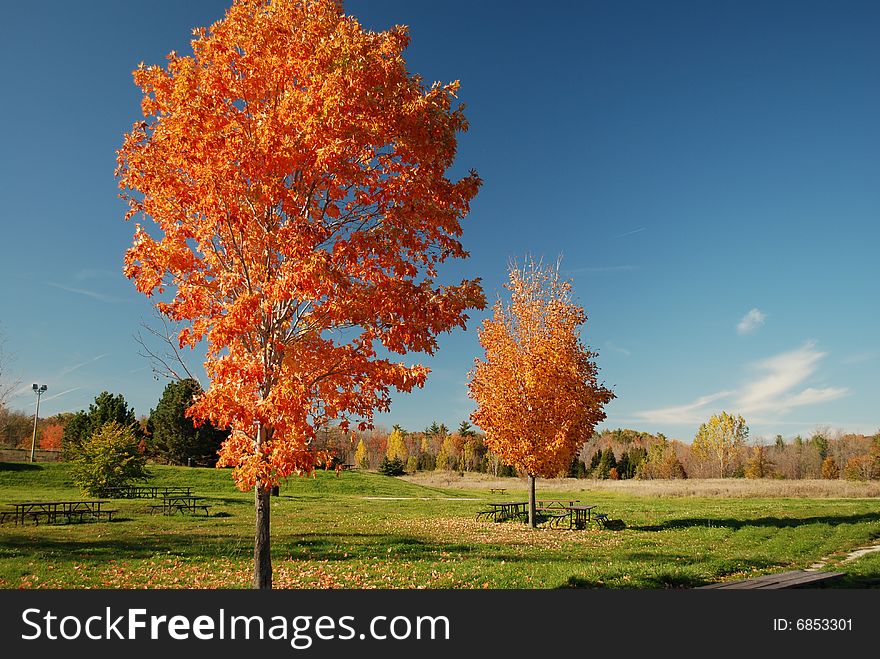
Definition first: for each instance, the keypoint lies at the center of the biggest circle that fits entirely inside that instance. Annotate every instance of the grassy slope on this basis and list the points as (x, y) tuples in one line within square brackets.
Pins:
[(328, 532)]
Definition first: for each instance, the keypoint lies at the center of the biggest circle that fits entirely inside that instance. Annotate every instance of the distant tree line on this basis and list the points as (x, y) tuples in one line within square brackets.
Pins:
[(164, 436), (621, 454), (168, 436)]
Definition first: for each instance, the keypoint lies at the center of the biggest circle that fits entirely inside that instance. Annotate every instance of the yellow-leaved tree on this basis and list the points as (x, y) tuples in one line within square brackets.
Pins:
[(720, 438), (537, 393), (360, 455), (396, 447)]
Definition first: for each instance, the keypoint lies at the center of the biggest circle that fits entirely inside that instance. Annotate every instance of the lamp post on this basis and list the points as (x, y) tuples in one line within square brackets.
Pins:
[(38, 389)]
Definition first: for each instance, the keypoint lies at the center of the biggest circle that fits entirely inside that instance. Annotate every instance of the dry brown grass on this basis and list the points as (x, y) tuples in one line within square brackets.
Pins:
[(704, 487)]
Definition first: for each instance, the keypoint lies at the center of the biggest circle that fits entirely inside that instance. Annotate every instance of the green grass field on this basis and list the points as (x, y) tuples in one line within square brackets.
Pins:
[(364, 530)]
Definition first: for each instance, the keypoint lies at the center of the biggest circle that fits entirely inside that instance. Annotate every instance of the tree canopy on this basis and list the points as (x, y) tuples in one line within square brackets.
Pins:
[(719, 437), (107, 408), (109, 458), (294, 174), (537, 390)]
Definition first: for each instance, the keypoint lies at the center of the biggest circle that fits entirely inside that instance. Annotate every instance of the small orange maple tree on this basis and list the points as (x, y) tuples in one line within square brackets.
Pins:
[(296, 175), (537, 394), (50, 437)]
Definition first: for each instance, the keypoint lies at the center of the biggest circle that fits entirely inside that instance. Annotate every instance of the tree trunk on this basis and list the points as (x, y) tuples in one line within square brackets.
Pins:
[(532, 520), (262, 553), (262, 545)]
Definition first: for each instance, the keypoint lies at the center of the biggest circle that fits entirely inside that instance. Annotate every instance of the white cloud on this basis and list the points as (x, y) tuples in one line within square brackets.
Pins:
[(775, 391), (779, 389), (694, 412), (751, 321), (810, 396)]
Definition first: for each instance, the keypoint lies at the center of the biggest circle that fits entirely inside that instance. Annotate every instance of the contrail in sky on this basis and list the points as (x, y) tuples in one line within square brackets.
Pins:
[(66, 371), (58, 395), (631, 233)]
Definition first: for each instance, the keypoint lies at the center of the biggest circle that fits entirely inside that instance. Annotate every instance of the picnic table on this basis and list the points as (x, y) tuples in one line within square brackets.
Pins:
[(52, 512), (578, 517), (147, 491), (555, 503), (180, 503), (557, 512), (504, 510)]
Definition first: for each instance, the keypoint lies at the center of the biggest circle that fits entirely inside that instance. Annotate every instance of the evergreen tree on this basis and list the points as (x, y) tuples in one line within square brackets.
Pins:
[(465, 429), (176, 439), (594, 461), (107, 408), (606, 463), (577, 468), (821, 443), (630, 460)]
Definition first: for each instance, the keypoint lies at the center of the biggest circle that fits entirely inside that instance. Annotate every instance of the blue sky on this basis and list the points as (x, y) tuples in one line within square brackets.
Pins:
[(707, 170)]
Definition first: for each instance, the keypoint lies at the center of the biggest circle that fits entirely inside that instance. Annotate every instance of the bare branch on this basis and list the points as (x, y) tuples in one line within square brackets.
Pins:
[(7, 386), (167, 362)]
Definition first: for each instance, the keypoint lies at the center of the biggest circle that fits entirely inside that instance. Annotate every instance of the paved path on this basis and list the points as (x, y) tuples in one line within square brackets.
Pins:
[(853, 555)]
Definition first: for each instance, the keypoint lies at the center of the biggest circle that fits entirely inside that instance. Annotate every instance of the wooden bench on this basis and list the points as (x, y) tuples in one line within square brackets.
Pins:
[(82, 515), (554, 517), (791, 579), (35, 515), (497, 490)]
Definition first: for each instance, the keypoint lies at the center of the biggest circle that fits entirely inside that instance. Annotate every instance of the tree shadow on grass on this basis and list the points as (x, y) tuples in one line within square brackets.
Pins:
[(19, 466), (769, 522), (358, 546), (666, 579), (657, 582), (132, 547), (156, 544)]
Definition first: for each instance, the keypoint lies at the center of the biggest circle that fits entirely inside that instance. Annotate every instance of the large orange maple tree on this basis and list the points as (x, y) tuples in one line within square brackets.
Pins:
[(295, 175), (537, 393)]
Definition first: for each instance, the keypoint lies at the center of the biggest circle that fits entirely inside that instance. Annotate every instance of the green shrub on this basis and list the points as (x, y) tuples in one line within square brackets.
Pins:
[(109, 458), (392, 467)]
